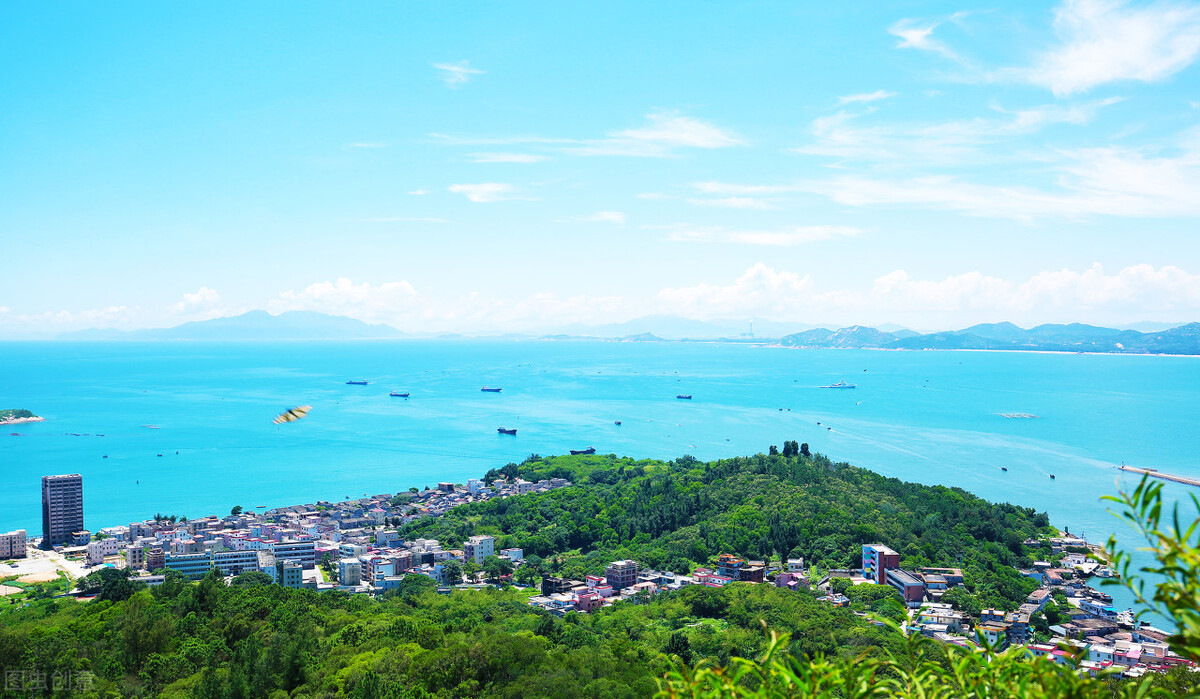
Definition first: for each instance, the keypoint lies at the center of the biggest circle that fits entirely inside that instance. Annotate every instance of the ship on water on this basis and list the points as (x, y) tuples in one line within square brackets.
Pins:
[(486, 389), (684, 396), (841, 384), (398, 394), (358, 382), (505, 430)]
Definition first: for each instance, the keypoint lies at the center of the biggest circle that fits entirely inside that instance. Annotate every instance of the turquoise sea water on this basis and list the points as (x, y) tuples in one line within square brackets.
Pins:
[(930, 417)]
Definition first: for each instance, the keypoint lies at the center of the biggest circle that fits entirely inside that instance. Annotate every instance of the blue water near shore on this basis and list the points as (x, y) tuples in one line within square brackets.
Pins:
[(931, 417)]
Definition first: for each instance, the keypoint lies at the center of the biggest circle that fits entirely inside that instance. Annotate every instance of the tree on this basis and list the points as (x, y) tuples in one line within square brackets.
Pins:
[(495, 567), (251, 578), (678, 645), (237, 510), (773, 450), (453, 571), (804, 450), (470, 569), (526, 575), (110, 584)]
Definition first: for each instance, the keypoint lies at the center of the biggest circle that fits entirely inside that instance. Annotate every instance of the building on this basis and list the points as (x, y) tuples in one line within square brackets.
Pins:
[(911, 587), (291, 574), (237, 562), (877, 560), (349, 572), (135, 557), (303, 552), (994, 635), (474, 485), (192, 566), (12, 544), (62, 508), (156, 559), (446, 487), (621, 574), (514, 555), (479, 547)]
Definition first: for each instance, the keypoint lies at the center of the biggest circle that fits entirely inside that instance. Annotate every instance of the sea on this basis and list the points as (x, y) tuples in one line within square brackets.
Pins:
[(185, 428)]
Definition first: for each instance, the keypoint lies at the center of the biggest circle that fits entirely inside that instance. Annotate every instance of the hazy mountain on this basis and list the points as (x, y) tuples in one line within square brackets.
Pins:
[(1073, 337), (676, 328), (254, 325)]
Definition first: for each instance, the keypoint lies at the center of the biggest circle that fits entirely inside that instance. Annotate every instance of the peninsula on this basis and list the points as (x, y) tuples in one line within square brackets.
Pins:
[(13, 415)]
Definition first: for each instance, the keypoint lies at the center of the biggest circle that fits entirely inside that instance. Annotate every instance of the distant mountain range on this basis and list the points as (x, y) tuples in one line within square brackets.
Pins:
[(254, 325), (1074, 337)]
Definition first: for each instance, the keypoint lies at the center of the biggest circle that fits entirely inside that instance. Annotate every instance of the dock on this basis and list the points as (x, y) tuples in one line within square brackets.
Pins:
[(1158, 474)]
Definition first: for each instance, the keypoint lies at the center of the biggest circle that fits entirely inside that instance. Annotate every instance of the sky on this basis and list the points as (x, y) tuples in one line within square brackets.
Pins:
[(464, 167)]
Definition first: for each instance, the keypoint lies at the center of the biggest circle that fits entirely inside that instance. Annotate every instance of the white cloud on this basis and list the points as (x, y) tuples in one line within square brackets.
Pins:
[(1133, 293), (839, 135), (506, 157), (1103, 41), (866, 97), (785, 236), (485, 192), (418, 192), (665, 133), (732, 203), (656, 196), (369, 302), (456, 75), (108, 317), (616, 217), (203, 300), (914, 34)]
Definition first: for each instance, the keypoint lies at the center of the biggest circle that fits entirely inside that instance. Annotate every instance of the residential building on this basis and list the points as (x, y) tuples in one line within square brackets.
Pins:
[(13, 544), (446, 487), (621, 574), (514, 555), (291, 574), (994, 635), (62, 508), (479, 547), (135, 557), (82, 537), (877, 559), (349, 572), (156, 558)]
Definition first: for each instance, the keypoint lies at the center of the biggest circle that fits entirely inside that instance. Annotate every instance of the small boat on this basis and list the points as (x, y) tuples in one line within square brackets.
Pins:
[(578, 452), (1002, 468), (397, 394), (1051, 476), (841, 384), (505, 430), (617, 423), (485, 389), (684, 396), (104, 457), (361, 382)]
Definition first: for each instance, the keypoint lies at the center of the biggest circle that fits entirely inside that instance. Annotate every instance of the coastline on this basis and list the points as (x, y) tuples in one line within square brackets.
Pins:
[(18, 420)]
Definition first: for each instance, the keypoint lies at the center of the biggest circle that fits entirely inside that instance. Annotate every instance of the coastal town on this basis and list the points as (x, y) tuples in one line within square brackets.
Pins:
[(355, 546)]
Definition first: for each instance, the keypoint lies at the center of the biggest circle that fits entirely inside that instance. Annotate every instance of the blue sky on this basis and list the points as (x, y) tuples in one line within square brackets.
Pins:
[(461, 167)]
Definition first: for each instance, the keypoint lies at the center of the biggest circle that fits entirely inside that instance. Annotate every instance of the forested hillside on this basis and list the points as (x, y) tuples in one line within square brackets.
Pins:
[(682, 513)]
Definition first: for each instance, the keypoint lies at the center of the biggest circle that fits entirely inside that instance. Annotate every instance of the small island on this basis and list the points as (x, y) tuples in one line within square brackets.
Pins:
[(12, 416)]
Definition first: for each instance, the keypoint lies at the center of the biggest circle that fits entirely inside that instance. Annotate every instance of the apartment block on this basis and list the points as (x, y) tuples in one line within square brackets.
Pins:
[(621, 574), (479, 547), (12, 544), (877, 560), (62, 508)]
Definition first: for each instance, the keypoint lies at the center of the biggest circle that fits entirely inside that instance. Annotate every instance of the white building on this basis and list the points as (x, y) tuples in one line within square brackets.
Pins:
[(514, 555), (474, 486), (13, 544), (479, 547)]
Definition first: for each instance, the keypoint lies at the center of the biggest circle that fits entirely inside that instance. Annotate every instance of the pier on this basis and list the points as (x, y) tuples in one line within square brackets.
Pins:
[(1164, 476)]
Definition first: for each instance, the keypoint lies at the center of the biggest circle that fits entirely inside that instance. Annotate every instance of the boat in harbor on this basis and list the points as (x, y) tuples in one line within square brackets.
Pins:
[(398, 394), (359, 382), (578, 452), (841, 384), (485, 389), (684, 396), (505, 430)]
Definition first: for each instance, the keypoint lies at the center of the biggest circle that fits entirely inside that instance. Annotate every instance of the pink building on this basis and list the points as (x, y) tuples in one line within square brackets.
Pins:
[(588, 602)]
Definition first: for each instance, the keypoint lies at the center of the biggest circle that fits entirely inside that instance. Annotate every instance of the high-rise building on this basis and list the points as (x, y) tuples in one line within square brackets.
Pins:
[(12, 544), (62, 508)]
